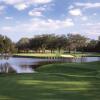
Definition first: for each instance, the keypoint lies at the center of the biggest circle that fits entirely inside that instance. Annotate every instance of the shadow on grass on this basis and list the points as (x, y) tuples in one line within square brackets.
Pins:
[(49, 87)]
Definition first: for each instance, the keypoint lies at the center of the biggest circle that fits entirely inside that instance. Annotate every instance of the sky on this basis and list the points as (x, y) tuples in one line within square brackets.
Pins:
[(26, 18)]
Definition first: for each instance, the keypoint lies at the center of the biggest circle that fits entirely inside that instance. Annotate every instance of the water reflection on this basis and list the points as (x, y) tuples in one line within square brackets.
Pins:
[(28, 65), (86, 59), (6, 68)]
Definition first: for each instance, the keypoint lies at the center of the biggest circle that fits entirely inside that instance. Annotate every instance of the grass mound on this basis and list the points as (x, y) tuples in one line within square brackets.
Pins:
[(67, 81), (72, 68)]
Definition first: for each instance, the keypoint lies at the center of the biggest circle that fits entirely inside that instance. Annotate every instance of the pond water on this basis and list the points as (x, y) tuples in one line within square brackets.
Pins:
[(28, 65)]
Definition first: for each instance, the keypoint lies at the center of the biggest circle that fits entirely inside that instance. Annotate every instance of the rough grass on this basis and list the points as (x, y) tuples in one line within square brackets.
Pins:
[(67, 81)]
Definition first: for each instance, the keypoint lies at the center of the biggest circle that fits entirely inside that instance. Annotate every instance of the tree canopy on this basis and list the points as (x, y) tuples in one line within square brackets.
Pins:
[(6, 45), (50, 42)]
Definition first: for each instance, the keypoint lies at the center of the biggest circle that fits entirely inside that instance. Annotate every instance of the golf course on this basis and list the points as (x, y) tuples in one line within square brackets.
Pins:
[(49, 49), (65, 81)]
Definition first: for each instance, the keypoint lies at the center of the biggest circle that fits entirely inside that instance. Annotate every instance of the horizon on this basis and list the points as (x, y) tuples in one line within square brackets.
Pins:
[(34, 17)]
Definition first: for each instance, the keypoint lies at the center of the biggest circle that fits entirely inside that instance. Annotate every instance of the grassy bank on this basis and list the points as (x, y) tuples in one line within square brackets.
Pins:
[(67, 81), (42, 55)]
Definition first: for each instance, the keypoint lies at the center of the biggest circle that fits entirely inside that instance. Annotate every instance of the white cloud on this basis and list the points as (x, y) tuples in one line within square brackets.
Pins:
[(35, 13), (92, 28), (2, 9), (71, 7), (75, 12), (7, 29), (41, 1), (84, 18), (40, 9), (26, 1), (8, 18), (23, 4), (95, 14), (11, 1), (39, 25), (88, 5)]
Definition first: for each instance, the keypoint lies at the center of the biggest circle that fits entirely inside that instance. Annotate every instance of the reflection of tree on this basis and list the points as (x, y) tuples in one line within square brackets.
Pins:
[(4, 57), (25, 67), (83, 59), (6, 68)]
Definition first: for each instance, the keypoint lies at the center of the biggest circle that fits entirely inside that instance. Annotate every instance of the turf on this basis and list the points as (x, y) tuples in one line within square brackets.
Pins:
[(46, 55), (36, 55), (67, 81)]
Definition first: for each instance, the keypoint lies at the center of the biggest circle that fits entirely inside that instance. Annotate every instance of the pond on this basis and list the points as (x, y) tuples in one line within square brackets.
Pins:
[(28, 65)]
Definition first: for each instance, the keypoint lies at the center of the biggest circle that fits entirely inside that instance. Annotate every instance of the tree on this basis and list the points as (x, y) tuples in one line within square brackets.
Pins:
[(61, 42), (1, 43), (91, 46), (5, 44), (35, 44), (51, 42), (23, 44), (97, 47), (76, 41)]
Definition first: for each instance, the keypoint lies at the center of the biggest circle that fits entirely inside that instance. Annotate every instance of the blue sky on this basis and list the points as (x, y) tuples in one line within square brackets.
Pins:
[(26, 18)]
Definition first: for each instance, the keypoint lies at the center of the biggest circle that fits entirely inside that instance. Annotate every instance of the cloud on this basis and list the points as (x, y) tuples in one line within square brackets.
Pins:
[(7, 29), (75, 12), (94, 14), (71, 7), (41, 1), (88, 5), (26, 1), (37, 11), (23, 4), (92, 28), (84, 18), (8, 18), (39, 25), (49, 24), (2, 8)]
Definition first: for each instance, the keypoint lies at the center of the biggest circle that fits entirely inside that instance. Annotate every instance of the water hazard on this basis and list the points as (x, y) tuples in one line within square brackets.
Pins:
[(28, 65)]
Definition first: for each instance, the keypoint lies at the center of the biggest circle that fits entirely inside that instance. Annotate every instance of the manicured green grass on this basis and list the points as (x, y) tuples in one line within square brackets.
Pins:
[(67, 81), (46, 55), (41, 55), (36, 54)]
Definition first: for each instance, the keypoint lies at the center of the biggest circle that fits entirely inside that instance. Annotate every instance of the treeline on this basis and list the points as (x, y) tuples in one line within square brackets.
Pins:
[(93, 46), (6, 45), (51, 42)]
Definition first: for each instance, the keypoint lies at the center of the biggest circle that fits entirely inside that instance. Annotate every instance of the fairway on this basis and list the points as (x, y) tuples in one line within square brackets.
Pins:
[(67, 81)]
